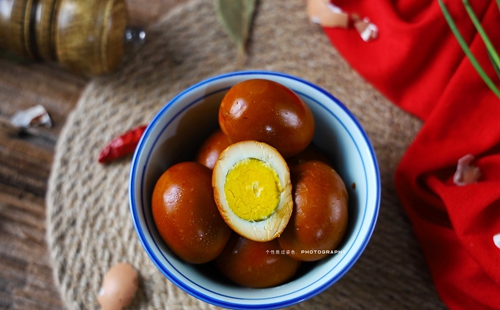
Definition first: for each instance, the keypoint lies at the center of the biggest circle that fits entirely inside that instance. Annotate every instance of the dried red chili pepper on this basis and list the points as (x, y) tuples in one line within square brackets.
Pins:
[(122, 145)]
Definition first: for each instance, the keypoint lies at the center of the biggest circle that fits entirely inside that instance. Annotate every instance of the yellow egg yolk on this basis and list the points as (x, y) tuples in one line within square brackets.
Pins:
[(252, 189)]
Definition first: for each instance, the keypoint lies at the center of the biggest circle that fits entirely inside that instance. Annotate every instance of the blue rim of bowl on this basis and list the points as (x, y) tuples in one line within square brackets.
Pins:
[(217, 302)]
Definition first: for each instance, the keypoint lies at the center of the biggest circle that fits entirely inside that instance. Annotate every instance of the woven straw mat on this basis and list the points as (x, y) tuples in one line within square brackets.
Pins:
[(89, 225)]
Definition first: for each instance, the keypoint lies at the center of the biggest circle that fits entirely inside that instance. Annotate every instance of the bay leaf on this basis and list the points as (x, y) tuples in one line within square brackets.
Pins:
[(236, 16)]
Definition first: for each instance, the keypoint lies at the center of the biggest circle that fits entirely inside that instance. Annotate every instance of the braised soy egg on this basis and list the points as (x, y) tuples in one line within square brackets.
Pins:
[(185, 213), (252, 190), (267, 111)]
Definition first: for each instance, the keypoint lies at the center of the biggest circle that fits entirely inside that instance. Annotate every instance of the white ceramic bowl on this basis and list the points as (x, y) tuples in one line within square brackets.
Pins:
[(178, 130)]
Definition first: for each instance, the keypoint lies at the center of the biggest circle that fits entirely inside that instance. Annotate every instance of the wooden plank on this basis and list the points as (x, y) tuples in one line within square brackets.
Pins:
[(26, 275), (26, 280), (25, 85), (25, 164)]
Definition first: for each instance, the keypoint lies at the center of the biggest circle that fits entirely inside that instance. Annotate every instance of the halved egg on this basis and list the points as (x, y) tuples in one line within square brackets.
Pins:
[(252, 190)]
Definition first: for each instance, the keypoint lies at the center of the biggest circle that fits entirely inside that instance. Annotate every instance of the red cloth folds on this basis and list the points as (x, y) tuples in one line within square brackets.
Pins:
[(417, 63)]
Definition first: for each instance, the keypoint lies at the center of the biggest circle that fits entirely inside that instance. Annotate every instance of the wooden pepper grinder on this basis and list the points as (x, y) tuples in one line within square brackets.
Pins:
[(86, 36)]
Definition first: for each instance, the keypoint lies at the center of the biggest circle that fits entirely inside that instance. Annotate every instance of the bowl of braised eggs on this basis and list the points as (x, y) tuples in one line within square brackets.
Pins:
[(254, 189)]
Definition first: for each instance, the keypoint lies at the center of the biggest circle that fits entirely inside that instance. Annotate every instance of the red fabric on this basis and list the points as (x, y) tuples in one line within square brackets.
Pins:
[(417, 63)]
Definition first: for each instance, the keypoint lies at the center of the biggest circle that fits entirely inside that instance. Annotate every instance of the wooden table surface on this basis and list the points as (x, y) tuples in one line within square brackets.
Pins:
[(26, 280)]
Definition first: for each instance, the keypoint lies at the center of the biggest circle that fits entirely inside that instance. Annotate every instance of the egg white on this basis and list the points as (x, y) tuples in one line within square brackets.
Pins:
[(271, 227)]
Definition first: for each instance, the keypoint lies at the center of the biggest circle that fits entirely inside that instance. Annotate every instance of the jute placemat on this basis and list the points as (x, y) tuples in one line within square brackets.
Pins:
[(89, 225)]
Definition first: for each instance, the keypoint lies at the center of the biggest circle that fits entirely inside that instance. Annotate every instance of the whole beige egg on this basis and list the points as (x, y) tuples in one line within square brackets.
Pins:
[(118, 287)]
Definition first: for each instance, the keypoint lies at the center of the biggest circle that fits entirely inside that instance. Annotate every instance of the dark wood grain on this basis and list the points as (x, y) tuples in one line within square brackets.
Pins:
[(26, 279), (81, 27)]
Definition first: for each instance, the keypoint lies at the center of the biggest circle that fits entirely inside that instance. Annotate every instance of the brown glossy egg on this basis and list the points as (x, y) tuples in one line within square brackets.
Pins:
[(319, 217), (212, 147), (311, 152), (255, 264), (185, 213), (269, 112)]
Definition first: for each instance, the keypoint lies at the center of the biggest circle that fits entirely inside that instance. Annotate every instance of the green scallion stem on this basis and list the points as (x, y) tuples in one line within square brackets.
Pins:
[(497, 70), (467, 51), (482, 33)]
